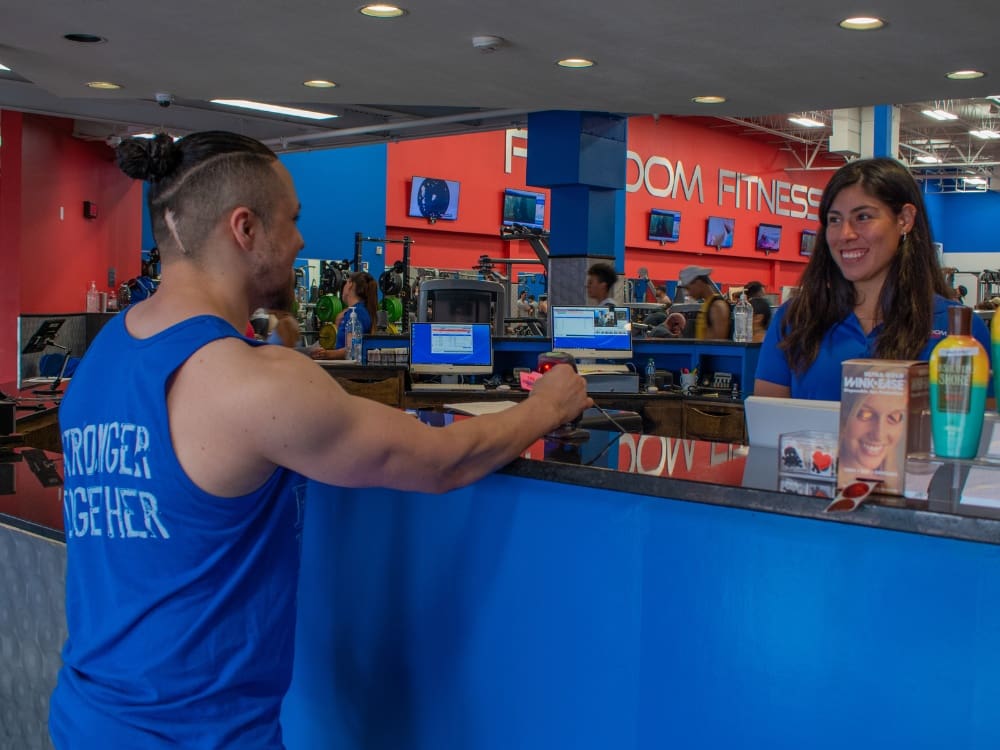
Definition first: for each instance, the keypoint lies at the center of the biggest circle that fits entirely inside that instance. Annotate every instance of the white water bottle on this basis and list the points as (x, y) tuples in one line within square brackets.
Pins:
[(93, 298), (354, 329), (742, 320)]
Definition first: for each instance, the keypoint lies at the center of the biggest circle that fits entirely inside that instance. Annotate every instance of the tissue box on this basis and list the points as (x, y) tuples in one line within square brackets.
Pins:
[(808, 453), (884, 416)]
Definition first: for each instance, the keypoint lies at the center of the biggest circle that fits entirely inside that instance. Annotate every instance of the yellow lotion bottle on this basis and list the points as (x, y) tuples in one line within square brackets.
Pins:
[(960, 376)]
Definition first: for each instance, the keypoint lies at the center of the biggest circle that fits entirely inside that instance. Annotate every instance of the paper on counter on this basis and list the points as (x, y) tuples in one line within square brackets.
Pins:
[(478, 408), (981, 488)]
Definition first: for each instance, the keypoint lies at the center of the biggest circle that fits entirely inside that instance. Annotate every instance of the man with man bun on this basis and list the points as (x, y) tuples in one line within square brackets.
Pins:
[(186, 460)]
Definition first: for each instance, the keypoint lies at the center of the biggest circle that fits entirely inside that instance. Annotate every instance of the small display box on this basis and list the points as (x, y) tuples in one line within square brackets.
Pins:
[(884, 417), (807, 463), (808, 453)]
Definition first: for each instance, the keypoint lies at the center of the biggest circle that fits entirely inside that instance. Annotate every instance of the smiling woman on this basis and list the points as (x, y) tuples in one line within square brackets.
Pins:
[(873, 286)]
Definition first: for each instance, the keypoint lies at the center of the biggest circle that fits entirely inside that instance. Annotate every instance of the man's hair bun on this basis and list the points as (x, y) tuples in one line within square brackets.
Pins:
[(149, 159)]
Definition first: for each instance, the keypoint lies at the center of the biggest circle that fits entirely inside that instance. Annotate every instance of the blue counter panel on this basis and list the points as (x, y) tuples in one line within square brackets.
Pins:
[(520, 613)]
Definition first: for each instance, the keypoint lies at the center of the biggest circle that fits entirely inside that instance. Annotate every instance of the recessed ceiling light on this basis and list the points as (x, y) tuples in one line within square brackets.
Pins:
[(927, 159), (575, 62), (381, 10), (708, 99), (965, 75), (940, 114), (806, 122), (862, 23), (986, 135), (104, 85), (275, 109), (319, 83), (84, 38)]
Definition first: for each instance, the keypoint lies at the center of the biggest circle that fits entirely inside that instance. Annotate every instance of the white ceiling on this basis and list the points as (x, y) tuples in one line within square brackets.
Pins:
[(421, 75)]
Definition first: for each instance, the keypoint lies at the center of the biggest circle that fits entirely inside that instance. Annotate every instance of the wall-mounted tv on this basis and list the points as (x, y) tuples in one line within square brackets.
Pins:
[(808, 242), (664, 225), (523, 208), (720, 232), (433, 198), (768, 238)]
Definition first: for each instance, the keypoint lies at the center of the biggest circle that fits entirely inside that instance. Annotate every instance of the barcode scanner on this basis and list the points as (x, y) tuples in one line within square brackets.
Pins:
[(569, 432)]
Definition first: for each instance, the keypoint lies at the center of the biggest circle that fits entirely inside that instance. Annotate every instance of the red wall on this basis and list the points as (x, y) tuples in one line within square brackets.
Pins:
[(477, 162), (61, 256), (693, 143), (10, 241), (52, 259)]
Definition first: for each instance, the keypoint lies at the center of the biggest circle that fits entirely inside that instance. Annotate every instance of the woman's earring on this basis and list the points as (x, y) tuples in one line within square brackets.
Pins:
[(902, 237)]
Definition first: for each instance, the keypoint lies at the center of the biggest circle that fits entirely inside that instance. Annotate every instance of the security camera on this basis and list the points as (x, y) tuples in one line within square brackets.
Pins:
[(163, 98)]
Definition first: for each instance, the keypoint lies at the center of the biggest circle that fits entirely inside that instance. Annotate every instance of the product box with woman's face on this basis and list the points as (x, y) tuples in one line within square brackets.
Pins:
[(883, 418)]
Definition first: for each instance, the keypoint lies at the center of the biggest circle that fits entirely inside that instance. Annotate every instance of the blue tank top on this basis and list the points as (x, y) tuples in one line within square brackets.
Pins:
[(180, 604)]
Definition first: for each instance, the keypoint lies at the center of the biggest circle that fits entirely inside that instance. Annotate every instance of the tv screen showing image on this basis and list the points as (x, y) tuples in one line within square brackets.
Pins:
[(523, 208), (808, 242), (768, 237), (433, 198), (720, 231), (664, 225)]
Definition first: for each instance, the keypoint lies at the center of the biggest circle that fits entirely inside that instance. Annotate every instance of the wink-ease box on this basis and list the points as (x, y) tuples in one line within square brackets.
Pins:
[(884, 416)]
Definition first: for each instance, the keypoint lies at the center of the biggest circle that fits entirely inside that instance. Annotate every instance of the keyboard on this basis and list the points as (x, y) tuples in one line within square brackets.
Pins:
[(447, 387), (592, 369)]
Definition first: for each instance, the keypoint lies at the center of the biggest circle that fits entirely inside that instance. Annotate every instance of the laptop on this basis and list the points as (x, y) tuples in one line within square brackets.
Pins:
[(767, 419)]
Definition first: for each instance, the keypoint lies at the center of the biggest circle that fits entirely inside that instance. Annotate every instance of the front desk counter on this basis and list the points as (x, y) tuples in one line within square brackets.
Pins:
[(649, 600)]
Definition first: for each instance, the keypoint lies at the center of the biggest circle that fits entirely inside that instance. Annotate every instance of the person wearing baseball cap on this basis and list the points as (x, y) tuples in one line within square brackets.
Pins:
[(713, 318)]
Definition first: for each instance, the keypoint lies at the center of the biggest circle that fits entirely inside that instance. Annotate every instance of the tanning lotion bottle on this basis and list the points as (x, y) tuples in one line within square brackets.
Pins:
[(960, 375)]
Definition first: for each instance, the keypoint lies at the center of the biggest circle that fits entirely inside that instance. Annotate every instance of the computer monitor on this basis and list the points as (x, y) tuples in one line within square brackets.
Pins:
[(808, 242), (768, 238), (523, 208), (462, 301), (664, 225), (434, 198), (592, 332), (451, 349)]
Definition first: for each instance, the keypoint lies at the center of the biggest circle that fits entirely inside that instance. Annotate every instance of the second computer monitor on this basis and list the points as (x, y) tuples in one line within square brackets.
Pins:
[(462, 301), (592, 332)]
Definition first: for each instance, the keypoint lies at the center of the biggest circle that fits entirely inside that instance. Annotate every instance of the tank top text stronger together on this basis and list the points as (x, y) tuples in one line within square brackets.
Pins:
[(107, 508)]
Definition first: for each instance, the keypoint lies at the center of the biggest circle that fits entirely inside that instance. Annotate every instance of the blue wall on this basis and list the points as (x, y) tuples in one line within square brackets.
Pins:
[(342, 191), (965, 222)]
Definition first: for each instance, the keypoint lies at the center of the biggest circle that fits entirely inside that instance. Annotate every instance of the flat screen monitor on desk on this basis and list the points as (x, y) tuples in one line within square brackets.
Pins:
[(451, 349), (592, 332)]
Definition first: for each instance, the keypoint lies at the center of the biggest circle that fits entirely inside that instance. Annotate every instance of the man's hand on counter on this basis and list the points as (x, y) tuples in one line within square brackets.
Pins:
[(565, 390)]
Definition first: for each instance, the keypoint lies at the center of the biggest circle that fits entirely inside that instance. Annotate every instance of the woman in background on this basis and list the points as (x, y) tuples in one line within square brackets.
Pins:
[(873, 286), (360, 293), (761, 317)]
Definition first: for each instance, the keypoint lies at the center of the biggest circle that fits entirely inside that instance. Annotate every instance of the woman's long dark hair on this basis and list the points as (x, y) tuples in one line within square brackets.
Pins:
[(906, 302), (367, 291)]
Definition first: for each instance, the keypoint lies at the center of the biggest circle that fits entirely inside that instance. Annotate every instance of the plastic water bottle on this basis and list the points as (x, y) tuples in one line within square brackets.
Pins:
[(354, 329), (742, 320), (650, 373), (93, 298)]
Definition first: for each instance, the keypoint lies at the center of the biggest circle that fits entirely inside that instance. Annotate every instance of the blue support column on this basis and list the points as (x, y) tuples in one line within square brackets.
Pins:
[(580, 157), (883, 131)]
